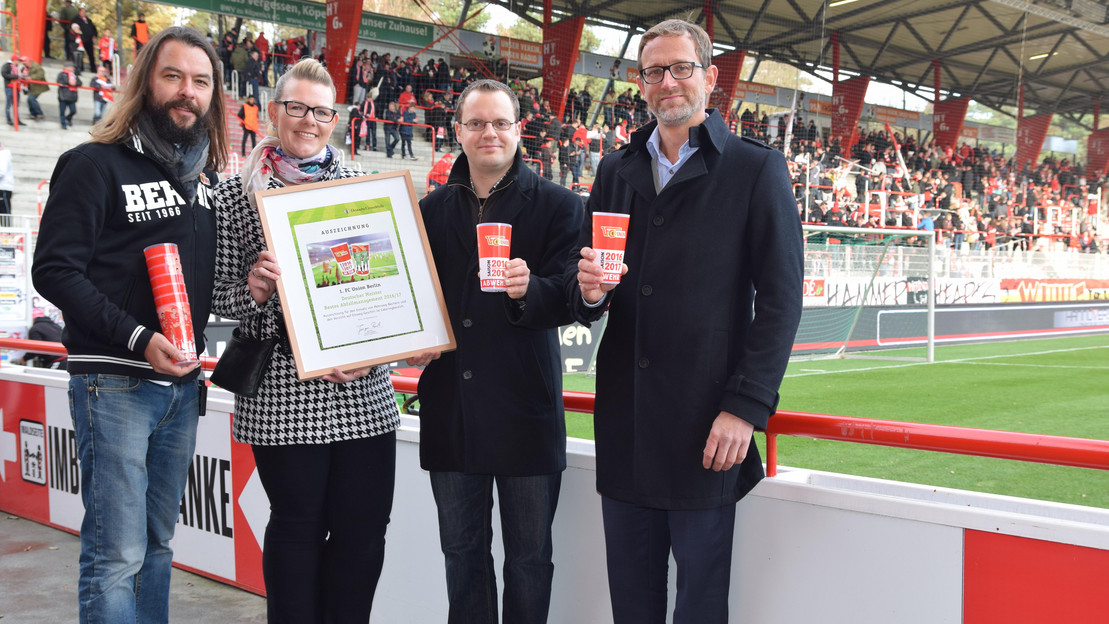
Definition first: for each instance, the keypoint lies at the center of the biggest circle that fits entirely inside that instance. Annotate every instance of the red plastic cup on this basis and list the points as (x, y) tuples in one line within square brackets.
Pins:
[(494, 242), (171, 301), (343, 257), (610, 234)]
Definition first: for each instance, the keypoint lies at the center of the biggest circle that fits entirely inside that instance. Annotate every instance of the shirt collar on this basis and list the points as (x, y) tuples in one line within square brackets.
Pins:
[(653, 146)]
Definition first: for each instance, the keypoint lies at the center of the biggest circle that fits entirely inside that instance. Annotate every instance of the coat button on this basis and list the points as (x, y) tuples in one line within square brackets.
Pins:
[(644, 362), (658, 220), (467, 374), (467, 323), (647, 290)]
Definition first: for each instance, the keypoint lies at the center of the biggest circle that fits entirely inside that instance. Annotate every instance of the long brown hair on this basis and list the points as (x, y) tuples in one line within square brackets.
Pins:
[(119, 123)]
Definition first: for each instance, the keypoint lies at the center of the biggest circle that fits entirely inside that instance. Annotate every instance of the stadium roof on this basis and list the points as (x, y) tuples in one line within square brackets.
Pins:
[(1060, 47)]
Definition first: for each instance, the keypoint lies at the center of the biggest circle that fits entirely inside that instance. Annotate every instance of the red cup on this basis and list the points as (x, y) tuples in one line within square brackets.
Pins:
[(343, 257), (494, 242), (610, 234), (171, 301)]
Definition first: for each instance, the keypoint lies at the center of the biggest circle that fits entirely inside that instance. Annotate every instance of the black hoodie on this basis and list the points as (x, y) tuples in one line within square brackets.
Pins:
[(107, 203)]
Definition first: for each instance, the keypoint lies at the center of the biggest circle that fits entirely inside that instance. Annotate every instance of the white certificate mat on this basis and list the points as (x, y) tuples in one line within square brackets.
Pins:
[(358, 283)]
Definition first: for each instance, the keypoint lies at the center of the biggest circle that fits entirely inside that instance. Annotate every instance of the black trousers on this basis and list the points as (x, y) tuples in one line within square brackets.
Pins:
[(638, 543), (325, 542), (5, 208)]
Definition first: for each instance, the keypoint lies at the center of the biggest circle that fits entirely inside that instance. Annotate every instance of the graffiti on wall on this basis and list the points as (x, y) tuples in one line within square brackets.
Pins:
[(849, 292)]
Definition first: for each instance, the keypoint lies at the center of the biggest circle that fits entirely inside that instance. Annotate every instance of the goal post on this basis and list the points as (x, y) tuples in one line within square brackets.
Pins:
[(869, 292)]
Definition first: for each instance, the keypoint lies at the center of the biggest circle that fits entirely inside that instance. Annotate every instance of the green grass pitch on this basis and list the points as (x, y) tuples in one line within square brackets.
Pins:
[(1056, 386)]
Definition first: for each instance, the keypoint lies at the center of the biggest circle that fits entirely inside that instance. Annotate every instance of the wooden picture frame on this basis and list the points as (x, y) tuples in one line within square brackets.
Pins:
[(358, 284)]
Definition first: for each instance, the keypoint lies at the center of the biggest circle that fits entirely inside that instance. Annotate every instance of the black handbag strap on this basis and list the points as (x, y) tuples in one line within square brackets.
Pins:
[(282, 332)]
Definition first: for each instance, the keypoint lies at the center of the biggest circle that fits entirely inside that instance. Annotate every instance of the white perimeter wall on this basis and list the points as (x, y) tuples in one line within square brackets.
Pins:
[(810, 547)]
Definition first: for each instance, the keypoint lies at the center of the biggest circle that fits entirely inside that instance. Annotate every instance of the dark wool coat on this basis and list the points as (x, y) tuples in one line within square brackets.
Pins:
[(494, 405), (704, 320)]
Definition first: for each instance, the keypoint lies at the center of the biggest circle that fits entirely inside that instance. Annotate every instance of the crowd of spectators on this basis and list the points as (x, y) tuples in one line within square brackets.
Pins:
[(967, 194), (567, 144), (970, 196)]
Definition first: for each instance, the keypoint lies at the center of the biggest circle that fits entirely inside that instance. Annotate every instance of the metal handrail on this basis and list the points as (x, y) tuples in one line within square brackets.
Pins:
[(1030, 447)]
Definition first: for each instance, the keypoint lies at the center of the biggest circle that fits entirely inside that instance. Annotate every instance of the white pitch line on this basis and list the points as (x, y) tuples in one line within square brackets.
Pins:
[(1104, 368), (954, 361)]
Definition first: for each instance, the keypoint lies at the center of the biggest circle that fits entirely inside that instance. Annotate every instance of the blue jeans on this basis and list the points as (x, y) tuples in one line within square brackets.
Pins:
[(638, 543), (66, 119), (527, 506), (370, 140), (8, 103), (135, 439), (33, 104), (98, 109), (392, 137)]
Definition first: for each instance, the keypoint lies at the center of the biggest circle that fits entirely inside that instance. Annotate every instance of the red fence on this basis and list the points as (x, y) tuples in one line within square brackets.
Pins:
[(1043, 449)]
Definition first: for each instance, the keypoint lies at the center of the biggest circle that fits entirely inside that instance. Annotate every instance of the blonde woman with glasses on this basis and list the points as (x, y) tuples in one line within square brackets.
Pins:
[(325, 448)]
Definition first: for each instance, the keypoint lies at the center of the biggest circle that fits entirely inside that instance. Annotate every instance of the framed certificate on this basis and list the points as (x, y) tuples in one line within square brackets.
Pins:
[(358, 284)]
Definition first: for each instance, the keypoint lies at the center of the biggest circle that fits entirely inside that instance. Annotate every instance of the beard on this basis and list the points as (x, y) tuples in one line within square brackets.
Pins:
[(680, 115), (167, 128)]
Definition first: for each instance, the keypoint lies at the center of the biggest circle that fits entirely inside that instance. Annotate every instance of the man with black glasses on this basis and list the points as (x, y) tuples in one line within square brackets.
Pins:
[(699, 333), (491, 411)]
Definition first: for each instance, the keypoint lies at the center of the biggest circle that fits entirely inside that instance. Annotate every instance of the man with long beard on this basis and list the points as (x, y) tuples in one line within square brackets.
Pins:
[(144, 179), (698, 337)]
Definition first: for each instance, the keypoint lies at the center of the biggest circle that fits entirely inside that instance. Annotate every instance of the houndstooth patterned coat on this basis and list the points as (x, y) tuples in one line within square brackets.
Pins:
[(287, 411)]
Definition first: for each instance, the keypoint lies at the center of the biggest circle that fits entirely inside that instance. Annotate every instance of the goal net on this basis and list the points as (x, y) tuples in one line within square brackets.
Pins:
[(866, 294)]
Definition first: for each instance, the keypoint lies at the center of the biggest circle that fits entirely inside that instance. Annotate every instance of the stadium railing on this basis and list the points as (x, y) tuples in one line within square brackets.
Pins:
[(1042, 449)]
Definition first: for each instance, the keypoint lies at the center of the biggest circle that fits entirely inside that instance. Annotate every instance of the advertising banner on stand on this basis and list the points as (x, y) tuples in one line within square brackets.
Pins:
[(1097, 153), (560, 52), (313, 15), (847, 105), (343, 17), (947, 120), (1031, 132), (728, 67), (492, 48)]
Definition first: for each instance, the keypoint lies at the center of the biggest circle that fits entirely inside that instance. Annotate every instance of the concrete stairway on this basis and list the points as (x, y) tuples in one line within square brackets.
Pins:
[(36, 146)]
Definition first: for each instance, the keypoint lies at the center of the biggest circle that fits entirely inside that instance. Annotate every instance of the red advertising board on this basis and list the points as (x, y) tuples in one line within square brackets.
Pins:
[(947, 120), (1097, 153), (560, 53), (1031, 132), (728, 67), (1025, 290), (847, 105), (343, 20), (24, 469)]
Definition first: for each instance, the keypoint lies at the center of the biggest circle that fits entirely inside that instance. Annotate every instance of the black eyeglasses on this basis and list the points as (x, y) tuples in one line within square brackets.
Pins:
[(293, 108), (680, 71), (478, 125)]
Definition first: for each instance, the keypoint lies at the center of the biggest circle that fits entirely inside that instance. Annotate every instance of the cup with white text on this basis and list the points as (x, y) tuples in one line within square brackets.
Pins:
[(494, 242), (610, 234)]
